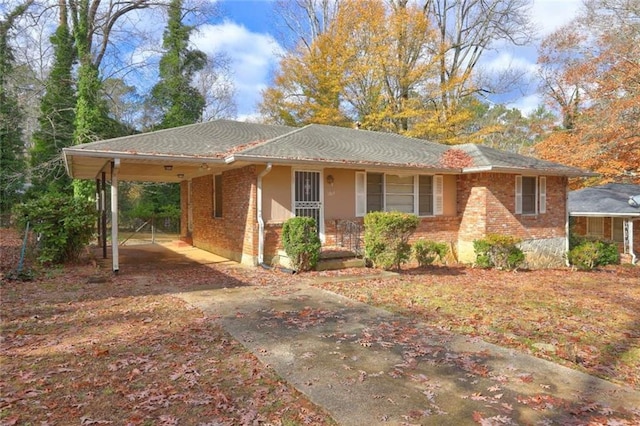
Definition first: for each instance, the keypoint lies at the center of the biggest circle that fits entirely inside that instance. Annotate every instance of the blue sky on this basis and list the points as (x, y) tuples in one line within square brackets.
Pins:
[(247, 33)]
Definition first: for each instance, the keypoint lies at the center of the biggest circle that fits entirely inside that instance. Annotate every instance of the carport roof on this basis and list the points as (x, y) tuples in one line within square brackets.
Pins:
[(176, 154), (611, 199)]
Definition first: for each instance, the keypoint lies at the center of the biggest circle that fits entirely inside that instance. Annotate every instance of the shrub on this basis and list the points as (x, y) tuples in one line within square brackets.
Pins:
[(386, 238), (426, 251), (301, 242), (65, 225), (588, 254), (498, 251)]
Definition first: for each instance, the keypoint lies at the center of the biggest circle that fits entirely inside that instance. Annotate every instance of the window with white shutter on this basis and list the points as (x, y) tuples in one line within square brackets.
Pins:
[(438, 195), (361, 194), (542, 188)]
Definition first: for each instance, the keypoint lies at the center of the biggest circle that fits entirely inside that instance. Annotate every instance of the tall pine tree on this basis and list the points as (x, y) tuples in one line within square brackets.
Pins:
[(57, 116), (176, 100), (12, 161)]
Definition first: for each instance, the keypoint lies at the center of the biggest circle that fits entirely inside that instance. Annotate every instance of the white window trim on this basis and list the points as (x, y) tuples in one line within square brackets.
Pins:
[(361, 194), (540, 198), (542, 194), (437, 193)]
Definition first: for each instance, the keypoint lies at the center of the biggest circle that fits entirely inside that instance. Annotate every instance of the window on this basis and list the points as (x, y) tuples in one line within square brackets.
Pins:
[(531, 195), (419, 194), (399, 193), (595, 227), (217, 195), (375, 193), (425, 195), (617, 229)]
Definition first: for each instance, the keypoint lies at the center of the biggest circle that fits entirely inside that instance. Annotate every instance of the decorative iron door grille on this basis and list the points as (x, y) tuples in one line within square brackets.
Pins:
[(307, 195)]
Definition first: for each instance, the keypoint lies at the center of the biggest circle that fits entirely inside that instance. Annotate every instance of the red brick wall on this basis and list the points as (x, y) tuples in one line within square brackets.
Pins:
[(487, 201), (485, 204), (234, 235)]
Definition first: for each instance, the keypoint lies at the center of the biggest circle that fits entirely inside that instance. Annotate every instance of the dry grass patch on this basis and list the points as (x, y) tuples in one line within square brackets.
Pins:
[(586, 320)]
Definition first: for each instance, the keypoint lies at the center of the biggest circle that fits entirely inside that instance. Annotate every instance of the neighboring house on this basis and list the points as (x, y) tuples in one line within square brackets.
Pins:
[(608, 212), (241, 181)]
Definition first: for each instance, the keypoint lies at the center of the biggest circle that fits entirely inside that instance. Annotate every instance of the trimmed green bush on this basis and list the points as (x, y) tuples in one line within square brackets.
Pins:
[(587, 254), (386, 238), (301, 242), (425, 252), (66, 225), (498, 251)]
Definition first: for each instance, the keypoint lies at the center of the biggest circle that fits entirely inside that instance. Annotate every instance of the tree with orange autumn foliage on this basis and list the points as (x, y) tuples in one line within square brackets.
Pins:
[(366, 66), (603, 135)]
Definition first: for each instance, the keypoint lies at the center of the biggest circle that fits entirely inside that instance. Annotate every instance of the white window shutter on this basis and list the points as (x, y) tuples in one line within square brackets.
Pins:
[(518, 194), (361, 194), (543, 194), (438, 195)]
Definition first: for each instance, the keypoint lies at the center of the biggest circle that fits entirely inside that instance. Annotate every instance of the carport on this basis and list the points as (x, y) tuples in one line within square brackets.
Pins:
[(173, 156)]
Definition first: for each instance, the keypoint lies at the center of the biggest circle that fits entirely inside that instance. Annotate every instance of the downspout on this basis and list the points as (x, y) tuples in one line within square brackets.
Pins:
[(634, 258), (115, 166), (259, 214)]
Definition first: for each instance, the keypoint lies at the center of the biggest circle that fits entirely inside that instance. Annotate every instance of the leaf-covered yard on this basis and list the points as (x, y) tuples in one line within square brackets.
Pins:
[(589, 321), (81, 346), (78, 346)]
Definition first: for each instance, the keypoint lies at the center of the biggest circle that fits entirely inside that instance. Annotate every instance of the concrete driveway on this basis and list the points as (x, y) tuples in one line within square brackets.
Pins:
[(367, 366)]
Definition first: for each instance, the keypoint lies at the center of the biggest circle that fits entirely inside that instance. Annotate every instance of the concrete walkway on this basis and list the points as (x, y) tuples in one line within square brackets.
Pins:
[(366, 366)]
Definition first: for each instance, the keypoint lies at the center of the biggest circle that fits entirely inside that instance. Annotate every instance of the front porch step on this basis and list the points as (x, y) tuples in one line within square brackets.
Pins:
[(344, 263), (329, 260)]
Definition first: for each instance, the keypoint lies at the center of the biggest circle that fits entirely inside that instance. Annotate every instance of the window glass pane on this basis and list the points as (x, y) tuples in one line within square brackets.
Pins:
[(595, 226), (374, 192), (399, 193), (618, 231), (528, 195), (217, 188), (425, 195)]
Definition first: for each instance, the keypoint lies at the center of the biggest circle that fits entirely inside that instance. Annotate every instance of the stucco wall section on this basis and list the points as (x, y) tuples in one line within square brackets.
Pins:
[(276, 194), (339, 197)]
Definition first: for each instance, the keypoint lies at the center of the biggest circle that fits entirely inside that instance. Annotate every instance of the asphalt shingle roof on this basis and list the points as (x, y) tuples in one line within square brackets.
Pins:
[(227, 140), (484, 156), (612, 198), (209, 139), (343, 145)]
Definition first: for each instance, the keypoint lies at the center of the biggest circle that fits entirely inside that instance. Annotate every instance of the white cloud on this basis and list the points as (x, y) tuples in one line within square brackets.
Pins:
[(549, 15), (253, 57), (527, 104)]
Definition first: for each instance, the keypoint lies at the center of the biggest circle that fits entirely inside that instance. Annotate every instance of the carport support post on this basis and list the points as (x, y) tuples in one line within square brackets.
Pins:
[(103, 213), (115, 165)]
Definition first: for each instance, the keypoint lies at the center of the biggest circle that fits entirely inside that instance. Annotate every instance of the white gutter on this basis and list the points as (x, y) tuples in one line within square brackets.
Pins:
[(115, 166), (259, 214), (70, 151)]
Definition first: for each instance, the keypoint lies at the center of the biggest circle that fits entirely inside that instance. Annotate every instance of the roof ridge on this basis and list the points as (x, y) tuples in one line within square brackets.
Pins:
[(249, 147)]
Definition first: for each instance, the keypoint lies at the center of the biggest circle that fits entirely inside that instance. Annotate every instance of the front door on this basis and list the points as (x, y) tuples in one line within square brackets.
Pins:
[(307, 197)]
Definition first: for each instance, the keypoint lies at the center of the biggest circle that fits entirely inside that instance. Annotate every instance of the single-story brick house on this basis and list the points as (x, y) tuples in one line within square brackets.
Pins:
[(241, 181), (608, 212)]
